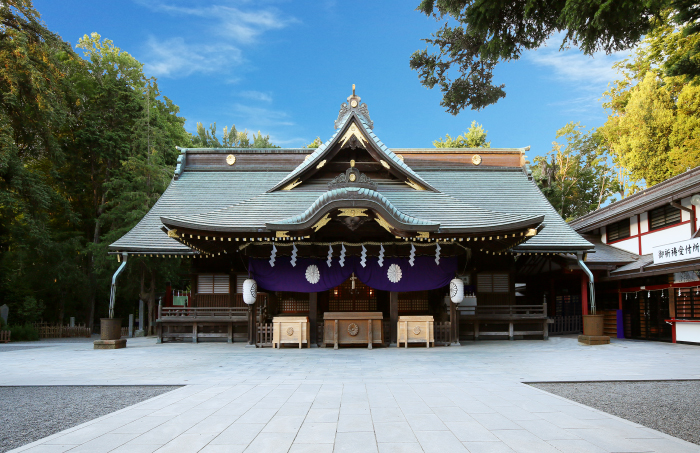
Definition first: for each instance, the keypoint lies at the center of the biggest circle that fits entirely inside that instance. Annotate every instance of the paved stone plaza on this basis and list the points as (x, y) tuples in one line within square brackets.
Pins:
[(449, 399)]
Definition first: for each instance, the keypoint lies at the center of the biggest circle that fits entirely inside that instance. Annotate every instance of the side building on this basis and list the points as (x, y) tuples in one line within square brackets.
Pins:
[(647, 257)]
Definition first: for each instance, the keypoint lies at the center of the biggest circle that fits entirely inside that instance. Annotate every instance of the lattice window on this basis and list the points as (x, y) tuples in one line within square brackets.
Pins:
[(493, 282), (212, 284), (413, 302), (345, 298), (618, 230), (687, 304), (664, 216), (290, 302)]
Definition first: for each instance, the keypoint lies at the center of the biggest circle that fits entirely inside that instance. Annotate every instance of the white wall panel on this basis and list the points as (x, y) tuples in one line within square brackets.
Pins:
[(631, 245), (663, 237), (644, 220), (688, 331)]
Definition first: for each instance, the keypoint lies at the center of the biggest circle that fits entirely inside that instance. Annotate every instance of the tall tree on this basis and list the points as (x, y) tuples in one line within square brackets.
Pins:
[(231, 138), (576, 176), (475, 137), (476, 35)]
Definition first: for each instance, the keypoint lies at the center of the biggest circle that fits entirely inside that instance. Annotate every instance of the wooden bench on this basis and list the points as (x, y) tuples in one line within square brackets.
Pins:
[(511, 315), (5, 336), (196, 317)]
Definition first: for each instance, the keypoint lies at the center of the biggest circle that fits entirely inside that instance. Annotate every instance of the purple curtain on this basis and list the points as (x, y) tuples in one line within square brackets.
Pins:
[(312, 275)]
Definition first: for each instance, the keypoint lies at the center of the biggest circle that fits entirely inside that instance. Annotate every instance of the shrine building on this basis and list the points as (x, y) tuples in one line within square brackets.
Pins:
[(356, 234)]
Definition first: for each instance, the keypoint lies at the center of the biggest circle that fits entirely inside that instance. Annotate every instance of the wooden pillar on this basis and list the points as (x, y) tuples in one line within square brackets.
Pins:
[(393, 315), (619, 295), (251, 326), (313, 314), (584, 294), (454, 324)]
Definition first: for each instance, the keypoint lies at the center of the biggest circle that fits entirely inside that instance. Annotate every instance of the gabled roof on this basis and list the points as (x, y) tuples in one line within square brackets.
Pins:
[(313, 163), (606, 254), (673, 189)]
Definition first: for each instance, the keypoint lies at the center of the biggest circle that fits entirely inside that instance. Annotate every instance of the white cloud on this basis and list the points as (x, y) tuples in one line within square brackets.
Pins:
[(175, 58), (573, 66), (256, 96), (260, 118)]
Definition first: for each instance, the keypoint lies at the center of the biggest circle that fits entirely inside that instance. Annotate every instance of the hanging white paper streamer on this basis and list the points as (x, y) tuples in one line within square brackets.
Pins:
[(363, 257), (437, 254), (293, 261), (341, 260), (272, 255), (330, 255), (412, 255), (380, 261)]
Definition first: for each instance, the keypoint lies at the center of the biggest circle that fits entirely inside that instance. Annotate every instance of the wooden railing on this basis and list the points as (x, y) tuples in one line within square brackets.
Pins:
[(442, 332), (264, 335), (563, 325), (5, 336), (509, 311), (46, 330), (224, 300), (192, 313)]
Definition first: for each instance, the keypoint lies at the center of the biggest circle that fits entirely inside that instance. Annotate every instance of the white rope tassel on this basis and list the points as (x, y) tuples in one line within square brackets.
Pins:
[(341, 260), (437, 254), (412, 255), (293, 261), (380, 261), (363, 257), (330, 255), (272, 255)]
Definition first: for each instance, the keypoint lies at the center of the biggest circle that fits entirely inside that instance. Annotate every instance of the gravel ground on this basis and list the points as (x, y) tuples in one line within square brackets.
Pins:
[(672, 407), (28, 414)]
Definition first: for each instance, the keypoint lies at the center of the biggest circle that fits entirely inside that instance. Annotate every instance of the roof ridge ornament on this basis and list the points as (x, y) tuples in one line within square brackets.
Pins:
[(353, 105), (352, 177)]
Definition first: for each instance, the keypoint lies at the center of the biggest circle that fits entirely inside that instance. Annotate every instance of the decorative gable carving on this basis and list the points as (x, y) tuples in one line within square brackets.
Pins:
[(352, 178)]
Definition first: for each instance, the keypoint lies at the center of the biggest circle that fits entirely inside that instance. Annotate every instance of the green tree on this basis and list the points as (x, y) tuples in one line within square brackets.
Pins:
[(576, 176), (653, 130), (477, 35), (231, 138), (315, 144), (475, 137)]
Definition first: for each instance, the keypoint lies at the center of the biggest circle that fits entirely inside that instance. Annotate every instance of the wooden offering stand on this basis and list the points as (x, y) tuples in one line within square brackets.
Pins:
[(353, 328), (415, 329), (290, 330)]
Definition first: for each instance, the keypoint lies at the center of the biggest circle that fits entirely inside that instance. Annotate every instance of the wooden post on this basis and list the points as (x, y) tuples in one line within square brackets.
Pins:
[(510, 330), (405, 343), (619, 296), (476, 330), (454, 325), (393, 316), (251, 327), (194, 332), (427, 330), (301, 334), (369, 334), (545, 327), (131, 325), (313, 314), (335, 335), (230, 332)]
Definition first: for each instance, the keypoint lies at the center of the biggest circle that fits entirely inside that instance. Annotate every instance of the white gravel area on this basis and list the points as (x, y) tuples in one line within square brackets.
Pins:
[(28, 414), (672, 407)]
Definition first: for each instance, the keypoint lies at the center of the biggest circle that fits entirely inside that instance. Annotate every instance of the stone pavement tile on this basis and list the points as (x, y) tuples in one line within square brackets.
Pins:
[(44, 448), (470, 431), (415, 407), (406, 396), (223, 449), (438, 401), (626, 429), (494, 400), (475, 407), (326, 402), (452, 414), (104, 443), (523, 441), (413, 447), (354, 408), (439, 442), (394, 432), (238, 434), (387, 414), (355, 443), (186, 442), (316, 433), (609, 440), (271, 442), (294, 409), (563, 420), (488, 447), (134, 448), (213, 424), (667, 445), (302, 397), (235, 408), (311, 448), (426, 422), (535, 406), (256, 415), (386, 401), (546, 430), (142, 425), (270, 403), (582, 413), (495, 421), (322, 415), (354, 422), (576, 446), (81, 435), (284, 424), (516, 413)]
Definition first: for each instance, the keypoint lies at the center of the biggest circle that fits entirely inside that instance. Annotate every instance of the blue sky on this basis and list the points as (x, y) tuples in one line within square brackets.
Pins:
[(284, 68)]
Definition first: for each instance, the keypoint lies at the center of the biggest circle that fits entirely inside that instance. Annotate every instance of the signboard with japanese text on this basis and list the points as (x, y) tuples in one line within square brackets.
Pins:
[(678, 251)]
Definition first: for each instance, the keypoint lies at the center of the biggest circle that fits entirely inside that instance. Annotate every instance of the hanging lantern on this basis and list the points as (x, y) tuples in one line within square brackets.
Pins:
[(456, 290), (250, 291)]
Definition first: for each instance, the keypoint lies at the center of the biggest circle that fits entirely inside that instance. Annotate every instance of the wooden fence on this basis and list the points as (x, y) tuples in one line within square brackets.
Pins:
[(47, 330), (263, 338), (566, 325), (441, 333), (5, 336)]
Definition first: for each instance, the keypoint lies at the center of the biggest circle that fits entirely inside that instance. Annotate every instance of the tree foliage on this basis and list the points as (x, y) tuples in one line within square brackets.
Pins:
[(476, 35), (576, 176), (653, 130), (315, 144), (231, 138), (475, 137)]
